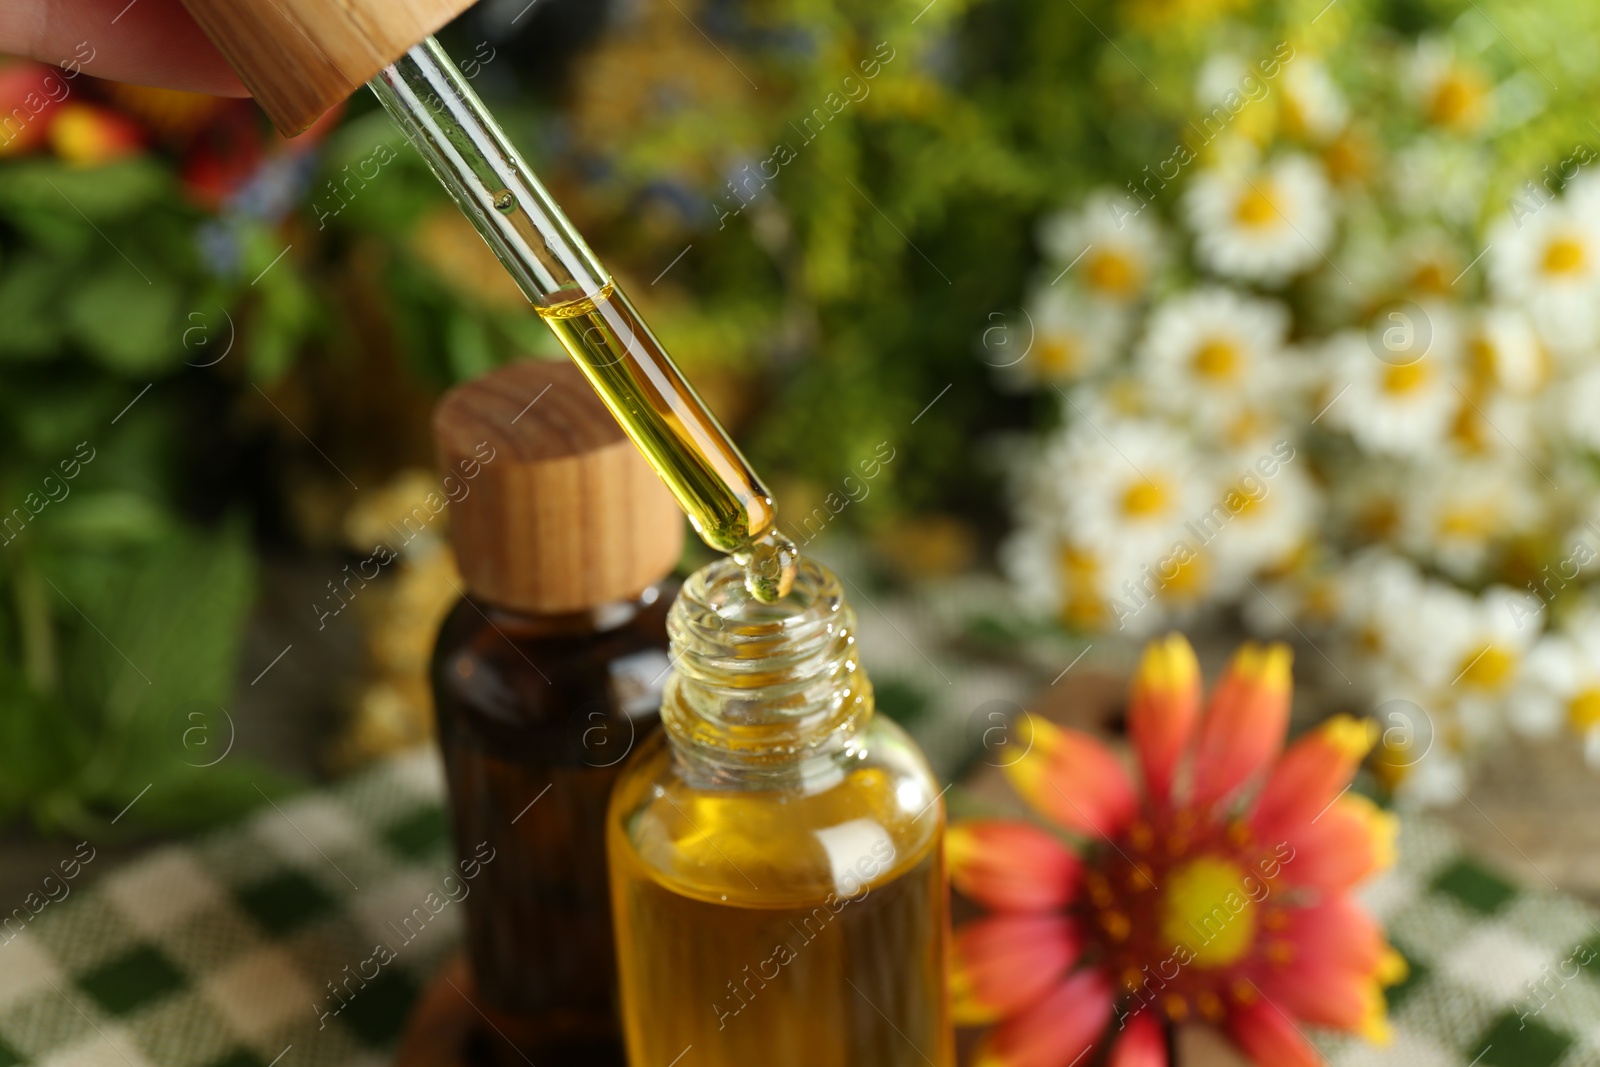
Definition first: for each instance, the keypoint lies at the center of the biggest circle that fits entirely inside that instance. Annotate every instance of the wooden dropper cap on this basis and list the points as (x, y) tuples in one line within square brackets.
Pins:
[(300, 57), (563, 513)]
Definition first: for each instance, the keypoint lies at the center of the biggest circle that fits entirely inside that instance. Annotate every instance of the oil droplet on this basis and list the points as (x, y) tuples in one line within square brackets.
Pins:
[(504, 201), (769, 567)]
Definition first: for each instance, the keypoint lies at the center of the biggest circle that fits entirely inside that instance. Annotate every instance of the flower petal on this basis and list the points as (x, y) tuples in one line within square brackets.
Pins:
[(1142, 1044), (1074, 780), (1011, 866), (1005, 963), (1162, 710), (1337, 931), (1310, 775), (1269, 1038), (1353, 839), (1325, 994), (90, 135), (1056, 1030), (1244, 724)]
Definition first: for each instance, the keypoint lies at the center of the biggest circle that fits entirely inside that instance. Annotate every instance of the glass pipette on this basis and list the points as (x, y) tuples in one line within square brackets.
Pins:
[(578, 299)]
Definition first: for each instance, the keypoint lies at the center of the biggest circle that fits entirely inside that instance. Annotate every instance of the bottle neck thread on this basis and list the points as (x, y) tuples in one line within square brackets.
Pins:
[(762, 689)]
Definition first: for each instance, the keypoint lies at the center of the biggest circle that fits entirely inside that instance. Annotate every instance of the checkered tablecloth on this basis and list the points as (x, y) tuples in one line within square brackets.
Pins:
[(224, 952), (1502, 975), (219, 953)]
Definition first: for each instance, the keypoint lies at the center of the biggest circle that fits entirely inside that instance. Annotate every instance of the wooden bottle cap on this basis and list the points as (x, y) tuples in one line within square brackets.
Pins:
[(300, 57), (552, 508)]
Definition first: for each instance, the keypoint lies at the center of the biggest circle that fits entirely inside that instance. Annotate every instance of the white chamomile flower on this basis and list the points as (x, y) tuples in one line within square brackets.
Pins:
[(1391, 610), (1263, 224), (1220, 73), (1126, 486), (1450, 94), (1402, 404), (1582, 194), (1578, 407), (1505, 351), (1103, 581), (1031, 557), (1109, 246), (1492, 425), (1549, 262), (1211, 353), (1060, 337), (1146, 595), (1313, 106), (1428, 264), (1486, 640), (1561, 684), (1458, 512), (1263, 521), (1365, 509), (1580, 545)]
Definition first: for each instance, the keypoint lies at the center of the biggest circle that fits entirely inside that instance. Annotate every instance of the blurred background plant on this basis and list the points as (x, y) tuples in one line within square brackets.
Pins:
[(819, 206), (1327, 370)]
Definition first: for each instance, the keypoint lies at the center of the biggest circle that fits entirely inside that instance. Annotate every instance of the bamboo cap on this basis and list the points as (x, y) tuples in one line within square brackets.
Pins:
[(300, 57), (553, 509)]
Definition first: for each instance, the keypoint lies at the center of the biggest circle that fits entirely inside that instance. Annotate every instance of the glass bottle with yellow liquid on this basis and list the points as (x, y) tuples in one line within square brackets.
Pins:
[(775, 853)]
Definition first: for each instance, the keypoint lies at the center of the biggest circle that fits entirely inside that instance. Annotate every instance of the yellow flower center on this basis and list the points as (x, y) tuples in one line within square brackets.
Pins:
[(1294, 117), (1217, 358), (1482, 357), (1468, 430), (1183, 579), (1407, 378), (1245, 426), (1083, 608), (1430, 277), (1564, 255), (1488, 668), (1457, 100), (1113, 271), (1207, 911), (1584, 710), (1145, 498), (1076, 564), (1256, 207), (1468, 521), (1349, 158), (1060, 355)]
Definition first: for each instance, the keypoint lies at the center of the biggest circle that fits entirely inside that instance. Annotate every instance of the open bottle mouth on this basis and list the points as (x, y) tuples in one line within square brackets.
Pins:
[(759, 683)]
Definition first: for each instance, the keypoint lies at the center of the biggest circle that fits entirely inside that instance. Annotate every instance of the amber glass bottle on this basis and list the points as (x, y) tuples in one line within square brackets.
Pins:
[(547, 673), (776, 851)]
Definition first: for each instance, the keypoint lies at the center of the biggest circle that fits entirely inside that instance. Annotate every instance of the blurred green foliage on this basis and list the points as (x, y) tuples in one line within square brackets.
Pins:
[(120, 615)]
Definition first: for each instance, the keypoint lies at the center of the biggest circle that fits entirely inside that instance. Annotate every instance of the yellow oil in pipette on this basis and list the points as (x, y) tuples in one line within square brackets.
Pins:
[(724, 499), (732, 511)]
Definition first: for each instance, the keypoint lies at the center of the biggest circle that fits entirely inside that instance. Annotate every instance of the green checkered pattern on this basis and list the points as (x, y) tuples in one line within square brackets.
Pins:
[(1498, 977), (213, 953)]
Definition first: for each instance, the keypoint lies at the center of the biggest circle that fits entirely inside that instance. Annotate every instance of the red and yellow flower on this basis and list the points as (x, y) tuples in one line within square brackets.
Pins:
[(1219, 891)]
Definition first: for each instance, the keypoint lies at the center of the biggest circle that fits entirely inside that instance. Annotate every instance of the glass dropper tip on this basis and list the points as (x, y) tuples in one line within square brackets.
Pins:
[(769, 566)]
